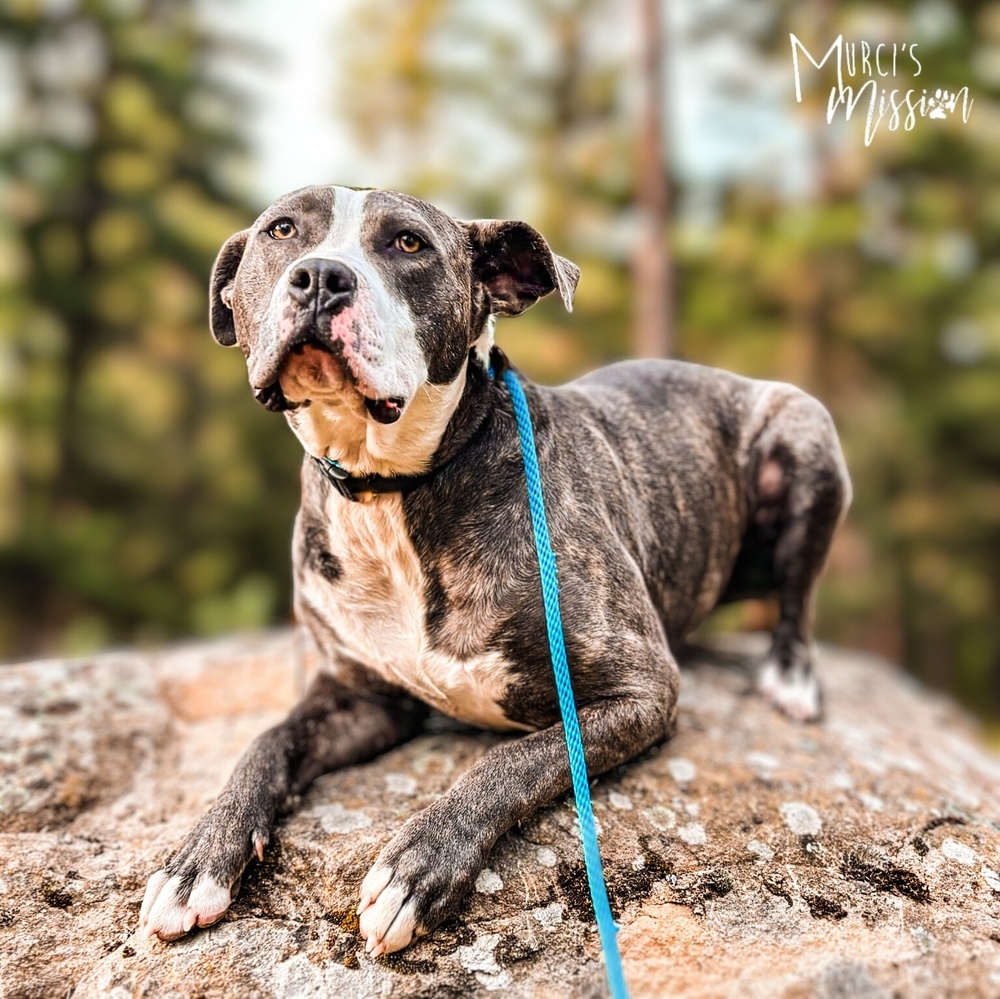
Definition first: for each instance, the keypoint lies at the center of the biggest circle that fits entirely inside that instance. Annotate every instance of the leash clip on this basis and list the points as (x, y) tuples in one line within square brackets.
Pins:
[(336, 475)]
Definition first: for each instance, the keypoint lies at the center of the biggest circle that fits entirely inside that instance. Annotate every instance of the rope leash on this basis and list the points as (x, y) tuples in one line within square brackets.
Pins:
[(567, 704)]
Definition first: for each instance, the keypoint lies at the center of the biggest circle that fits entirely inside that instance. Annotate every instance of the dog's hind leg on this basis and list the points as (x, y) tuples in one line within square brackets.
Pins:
[(800, 491), (331, 727)]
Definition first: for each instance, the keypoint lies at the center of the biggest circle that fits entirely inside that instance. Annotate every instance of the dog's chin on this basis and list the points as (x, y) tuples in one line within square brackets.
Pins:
[(312, 372)]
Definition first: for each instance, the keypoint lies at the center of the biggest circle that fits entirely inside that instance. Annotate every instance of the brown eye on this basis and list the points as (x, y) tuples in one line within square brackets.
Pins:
[(409, 243), (283, 229)]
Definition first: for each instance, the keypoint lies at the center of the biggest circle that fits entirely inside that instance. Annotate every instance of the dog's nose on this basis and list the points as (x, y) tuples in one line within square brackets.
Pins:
[(327, 285)]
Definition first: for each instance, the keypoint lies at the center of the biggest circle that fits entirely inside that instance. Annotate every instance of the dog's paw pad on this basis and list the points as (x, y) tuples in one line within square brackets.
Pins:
[(170, 909), (388, 912), (794, 691)]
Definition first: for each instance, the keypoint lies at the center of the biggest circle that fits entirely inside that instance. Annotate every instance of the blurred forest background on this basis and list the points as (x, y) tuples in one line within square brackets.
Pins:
[(144, 495)]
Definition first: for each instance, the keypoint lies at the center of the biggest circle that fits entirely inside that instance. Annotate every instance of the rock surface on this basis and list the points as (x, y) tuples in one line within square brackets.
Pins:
[(750, 857)]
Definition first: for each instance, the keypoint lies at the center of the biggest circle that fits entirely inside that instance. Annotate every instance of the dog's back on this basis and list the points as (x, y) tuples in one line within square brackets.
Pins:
[(665, 449)]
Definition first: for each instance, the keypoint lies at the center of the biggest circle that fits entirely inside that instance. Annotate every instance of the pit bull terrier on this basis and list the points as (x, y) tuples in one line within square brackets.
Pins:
[(367, 318)]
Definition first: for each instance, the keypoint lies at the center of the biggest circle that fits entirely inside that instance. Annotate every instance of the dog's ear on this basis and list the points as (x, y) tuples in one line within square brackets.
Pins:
[(220, 297), (516, 267)]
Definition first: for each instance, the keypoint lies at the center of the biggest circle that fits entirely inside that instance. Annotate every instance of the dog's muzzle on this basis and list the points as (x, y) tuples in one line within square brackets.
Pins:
[(319, 289)]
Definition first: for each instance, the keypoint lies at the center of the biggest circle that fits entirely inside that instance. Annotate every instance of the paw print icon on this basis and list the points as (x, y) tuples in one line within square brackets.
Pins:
[(942, 101)]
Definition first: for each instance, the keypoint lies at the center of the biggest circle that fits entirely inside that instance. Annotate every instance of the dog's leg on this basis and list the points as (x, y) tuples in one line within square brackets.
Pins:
[(433, 861), (331, 727), (803, 479)]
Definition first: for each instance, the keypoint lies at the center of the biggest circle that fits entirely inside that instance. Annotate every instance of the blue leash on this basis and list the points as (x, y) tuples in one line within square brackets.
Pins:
[(567, 704)]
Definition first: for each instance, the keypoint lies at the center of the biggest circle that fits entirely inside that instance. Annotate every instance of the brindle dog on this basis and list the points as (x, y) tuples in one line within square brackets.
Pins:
[(367, 318)]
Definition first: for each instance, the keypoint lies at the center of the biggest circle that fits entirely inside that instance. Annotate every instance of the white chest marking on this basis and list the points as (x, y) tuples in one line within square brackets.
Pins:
[(378, 611), (338, 427)]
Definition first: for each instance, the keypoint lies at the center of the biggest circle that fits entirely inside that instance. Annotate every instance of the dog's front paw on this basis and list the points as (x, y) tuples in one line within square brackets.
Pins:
[(201, 879), (174, 905), (419, 877)]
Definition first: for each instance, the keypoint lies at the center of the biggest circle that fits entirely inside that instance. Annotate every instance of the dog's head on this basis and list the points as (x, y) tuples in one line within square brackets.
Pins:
[(356, 312)]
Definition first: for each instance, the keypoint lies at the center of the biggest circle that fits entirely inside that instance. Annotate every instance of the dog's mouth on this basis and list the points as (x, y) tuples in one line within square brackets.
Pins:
[(272, 396)]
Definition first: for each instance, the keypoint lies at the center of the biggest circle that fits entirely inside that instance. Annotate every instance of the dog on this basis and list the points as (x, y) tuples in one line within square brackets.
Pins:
[(367, 318)]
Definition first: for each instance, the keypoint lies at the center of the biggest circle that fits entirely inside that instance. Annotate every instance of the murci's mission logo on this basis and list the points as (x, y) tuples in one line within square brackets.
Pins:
[(880, 99)]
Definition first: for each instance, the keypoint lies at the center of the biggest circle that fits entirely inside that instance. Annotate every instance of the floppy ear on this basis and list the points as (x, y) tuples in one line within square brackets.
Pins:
[(516, 267), (220, 304)]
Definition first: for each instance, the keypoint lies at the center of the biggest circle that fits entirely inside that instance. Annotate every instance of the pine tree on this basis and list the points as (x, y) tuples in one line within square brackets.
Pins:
[(135, 492)]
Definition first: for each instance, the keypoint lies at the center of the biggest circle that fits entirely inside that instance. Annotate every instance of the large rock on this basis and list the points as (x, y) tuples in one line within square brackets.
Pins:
[(749, 857)]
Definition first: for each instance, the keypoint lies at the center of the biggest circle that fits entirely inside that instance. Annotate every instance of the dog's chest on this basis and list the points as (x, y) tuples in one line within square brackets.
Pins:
[(375, 607)]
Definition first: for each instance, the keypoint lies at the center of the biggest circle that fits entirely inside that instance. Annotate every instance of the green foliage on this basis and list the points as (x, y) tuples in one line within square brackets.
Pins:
[(143, 493)]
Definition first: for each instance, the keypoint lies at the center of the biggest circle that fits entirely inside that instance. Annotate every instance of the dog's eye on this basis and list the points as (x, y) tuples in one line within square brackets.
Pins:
[(409, 242), (282, 229)]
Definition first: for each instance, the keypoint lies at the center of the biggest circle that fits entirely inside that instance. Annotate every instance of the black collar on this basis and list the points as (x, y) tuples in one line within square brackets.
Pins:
[(351, 486)]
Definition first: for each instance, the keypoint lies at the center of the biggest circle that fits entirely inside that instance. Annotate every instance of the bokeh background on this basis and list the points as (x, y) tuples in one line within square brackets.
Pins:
[(144, 495)]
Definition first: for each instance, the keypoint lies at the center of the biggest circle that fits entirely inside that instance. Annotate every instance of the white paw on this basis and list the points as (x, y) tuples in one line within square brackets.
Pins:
[(795, 691), (169, 909), (388, 912)]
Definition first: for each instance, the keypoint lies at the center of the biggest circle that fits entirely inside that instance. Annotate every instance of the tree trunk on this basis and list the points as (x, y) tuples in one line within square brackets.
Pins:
[(652, 334)]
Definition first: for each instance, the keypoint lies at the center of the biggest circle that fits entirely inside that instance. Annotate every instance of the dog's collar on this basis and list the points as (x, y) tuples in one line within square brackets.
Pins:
[(352, 487)]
